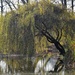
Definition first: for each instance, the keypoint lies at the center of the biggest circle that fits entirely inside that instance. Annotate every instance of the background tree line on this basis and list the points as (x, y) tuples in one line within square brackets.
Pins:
[(15, 6)]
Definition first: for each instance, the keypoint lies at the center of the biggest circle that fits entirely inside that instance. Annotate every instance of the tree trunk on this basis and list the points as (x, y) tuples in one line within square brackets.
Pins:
[(27, 1), (65, 3), (1, 7), (72, 5), (23, 1), (62, 2)]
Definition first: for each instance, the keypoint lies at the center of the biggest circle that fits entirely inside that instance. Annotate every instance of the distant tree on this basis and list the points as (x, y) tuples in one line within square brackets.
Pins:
[(62, 2), (25, 1), (1, 6), (9, 4), (65, 3), (72, 5)]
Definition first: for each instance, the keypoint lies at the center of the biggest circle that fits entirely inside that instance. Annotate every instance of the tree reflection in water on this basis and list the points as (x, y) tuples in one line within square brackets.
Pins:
[(3, 66), (46, 65), (16, 65), (21, 66)]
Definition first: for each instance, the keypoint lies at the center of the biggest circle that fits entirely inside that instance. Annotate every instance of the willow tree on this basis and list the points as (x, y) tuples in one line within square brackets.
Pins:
[(53, 18), (18, 31), (19, 26)]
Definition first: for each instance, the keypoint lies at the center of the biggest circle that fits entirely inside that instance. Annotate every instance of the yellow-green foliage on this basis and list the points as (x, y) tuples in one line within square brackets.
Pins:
[(18, 28), (1, 33)]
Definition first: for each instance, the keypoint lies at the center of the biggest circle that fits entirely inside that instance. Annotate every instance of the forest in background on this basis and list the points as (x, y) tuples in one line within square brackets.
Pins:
[(18, 34)]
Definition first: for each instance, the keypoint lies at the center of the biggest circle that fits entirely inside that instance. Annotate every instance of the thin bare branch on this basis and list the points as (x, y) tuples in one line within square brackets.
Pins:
[(13, 5), (9, 4), (44, 25)]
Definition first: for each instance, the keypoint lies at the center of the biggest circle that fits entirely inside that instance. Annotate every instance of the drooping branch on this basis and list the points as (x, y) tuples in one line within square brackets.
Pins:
[(59, 33), (50, 38)]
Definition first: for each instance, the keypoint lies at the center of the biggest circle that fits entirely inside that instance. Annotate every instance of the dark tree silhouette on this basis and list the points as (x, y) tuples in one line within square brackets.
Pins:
[(50, 38), (72, 5), (44, 30), (1, 6), (62, 2), (65, 3), (25, 1)]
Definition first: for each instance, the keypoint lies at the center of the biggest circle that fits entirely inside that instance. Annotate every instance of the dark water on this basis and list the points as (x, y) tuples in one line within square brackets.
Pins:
[(23, 66)]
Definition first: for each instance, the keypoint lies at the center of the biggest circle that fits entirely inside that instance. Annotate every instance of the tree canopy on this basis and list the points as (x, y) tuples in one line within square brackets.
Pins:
[(18, 33)]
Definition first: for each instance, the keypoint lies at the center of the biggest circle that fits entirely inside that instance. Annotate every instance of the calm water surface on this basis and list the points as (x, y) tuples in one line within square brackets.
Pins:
[(23, 66)]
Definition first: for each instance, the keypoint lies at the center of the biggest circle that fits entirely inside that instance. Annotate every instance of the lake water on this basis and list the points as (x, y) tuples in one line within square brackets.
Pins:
[(23, 66)]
